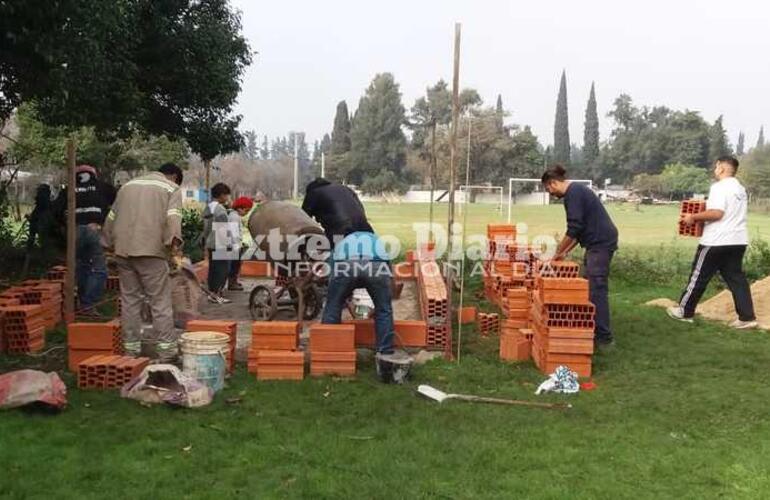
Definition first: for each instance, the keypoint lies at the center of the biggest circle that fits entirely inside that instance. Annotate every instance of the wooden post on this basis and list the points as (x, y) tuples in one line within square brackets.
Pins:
[(295, 191), (452, 169), (207, 166), (69, 279), (432, 179)]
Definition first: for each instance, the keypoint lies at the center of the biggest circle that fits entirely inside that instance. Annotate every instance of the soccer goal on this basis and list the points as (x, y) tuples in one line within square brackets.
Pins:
[(489, 194), (545, 196)]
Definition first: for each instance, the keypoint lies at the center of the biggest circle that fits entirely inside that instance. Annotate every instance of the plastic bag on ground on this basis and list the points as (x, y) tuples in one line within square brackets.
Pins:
[(562, 380), (167, 384), (24, 387)]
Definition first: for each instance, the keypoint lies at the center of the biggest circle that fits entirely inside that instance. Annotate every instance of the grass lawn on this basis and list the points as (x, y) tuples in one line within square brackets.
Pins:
[(680, 412), (647, 226)]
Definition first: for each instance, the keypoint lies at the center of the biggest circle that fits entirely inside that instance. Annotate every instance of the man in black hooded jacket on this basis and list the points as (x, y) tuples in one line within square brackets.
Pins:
[(337, 208)]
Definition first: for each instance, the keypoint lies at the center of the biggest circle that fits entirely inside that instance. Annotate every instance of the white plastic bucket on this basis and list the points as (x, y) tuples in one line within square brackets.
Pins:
[(203, 357)]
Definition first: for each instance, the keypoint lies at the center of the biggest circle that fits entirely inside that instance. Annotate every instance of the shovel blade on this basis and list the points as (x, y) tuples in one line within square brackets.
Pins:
[(432, 393)]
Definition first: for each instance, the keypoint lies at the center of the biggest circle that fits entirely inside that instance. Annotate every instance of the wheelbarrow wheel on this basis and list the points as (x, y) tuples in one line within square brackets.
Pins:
[(313, 301), (263, 304)]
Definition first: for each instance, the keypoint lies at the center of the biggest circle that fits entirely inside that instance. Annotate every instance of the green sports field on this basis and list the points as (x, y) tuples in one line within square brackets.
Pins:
[(680, 411)]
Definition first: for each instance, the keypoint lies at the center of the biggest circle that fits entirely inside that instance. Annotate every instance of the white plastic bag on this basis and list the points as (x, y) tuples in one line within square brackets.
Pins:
[(167, 384)]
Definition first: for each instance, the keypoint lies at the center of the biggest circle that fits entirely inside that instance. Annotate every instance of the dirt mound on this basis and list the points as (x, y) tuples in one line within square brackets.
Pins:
[(721, 308), (661, 303)]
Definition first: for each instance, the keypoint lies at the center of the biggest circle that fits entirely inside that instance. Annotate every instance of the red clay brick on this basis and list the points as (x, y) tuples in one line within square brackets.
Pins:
[(467, 315), (332, 338)]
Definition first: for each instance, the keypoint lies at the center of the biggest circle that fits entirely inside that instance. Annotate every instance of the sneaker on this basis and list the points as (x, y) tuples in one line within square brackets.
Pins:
[(235, 287), (678, 314), (90, 313), (744, 325), (218, 299)]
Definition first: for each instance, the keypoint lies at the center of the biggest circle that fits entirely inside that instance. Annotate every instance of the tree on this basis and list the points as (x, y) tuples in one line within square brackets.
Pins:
[(561, 142), (40, 148), (264, 152), (644, 140), (165, 67), (718, 143), (591, 131), (432, 111), (250, 150), (755, 171), (341, 131), (741, 145), (761, 138), (676, 181), (338, 164), (500, 111), (378, 143)]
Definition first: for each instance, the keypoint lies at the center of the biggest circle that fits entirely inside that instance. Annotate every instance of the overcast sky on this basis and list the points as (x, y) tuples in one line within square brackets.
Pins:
[(705, 55)]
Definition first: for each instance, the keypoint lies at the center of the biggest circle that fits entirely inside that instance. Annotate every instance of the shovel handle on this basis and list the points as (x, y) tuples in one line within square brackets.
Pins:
[(513, 402)]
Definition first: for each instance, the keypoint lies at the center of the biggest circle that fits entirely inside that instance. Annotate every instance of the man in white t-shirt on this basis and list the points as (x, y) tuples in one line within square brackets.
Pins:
[(721, 247)]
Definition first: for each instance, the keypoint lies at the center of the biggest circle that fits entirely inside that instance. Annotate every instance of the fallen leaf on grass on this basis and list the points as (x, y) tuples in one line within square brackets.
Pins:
[(360, 438), (187, 448), (233, 401), (87, 405)]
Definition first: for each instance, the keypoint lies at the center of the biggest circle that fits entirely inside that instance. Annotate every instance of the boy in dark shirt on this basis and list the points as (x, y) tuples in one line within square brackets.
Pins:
[(589, 225)]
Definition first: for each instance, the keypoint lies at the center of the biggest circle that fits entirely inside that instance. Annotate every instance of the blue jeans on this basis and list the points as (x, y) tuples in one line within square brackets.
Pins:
[(91, 269), (597, 270), (375, 277)]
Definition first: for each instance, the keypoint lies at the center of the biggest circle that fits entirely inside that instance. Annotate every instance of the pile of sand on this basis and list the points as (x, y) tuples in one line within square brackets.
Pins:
[(721, 308)]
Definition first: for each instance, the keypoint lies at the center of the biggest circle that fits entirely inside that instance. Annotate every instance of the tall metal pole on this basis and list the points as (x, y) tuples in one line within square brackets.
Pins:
[(452, 169), (323, 164), (296, 167), (69, 277)]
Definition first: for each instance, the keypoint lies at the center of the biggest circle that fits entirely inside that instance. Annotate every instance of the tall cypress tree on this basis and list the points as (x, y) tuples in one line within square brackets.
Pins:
[(761, 138), (378, 141), (741, 145), (718, 145), (499, 111), (561, 144), (341, 130), (591, 131)]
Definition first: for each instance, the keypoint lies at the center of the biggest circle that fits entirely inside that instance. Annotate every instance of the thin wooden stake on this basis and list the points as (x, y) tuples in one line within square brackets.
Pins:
[(452, 169), (69, 277)]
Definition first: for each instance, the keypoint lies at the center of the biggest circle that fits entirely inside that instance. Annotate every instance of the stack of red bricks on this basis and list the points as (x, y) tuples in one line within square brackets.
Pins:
[(690, 207), (562, 319), (87, 340), (56, 273), (23, 327), (109, 371), (227, 327), (274, 353), (47, 294), (433, 302), (508, 265), (332, 350), (515, 306), (515, 343), (488, 323)]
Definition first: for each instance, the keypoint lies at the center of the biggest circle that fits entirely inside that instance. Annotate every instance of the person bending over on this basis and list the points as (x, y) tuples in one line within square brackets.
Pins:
[(589, 225)]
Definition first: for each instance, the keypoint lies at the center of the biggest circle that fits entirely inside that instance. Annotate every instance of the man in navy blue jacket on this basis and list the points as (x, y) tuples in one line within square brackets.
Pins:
[(589, 225)]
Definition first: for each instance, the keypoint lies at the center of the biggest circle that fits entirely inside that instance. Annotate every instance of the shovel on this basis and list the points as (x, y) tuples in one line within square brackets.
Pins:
[(187, 268), (440, 396)]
